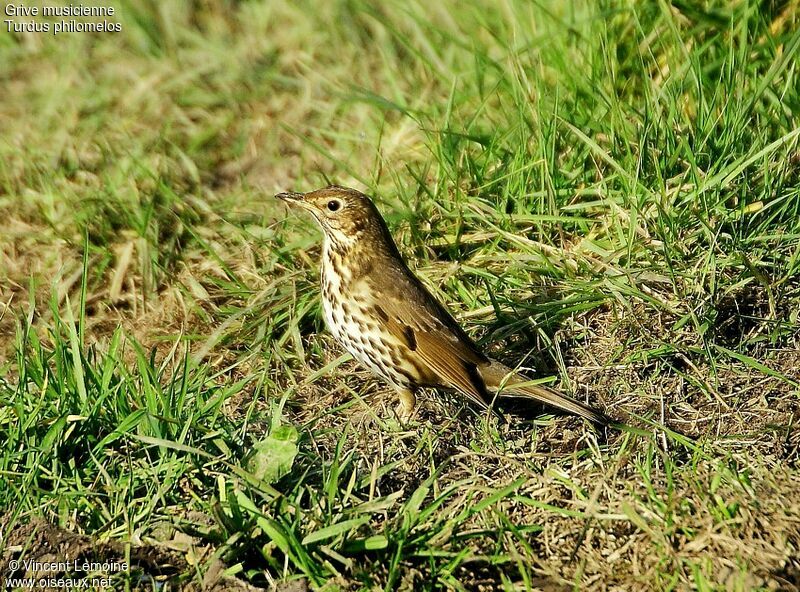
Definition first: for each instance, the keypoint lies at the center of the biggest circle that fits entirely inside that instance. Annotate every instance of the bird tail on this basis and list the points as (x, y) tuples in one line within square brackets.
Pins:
[(495, 375)]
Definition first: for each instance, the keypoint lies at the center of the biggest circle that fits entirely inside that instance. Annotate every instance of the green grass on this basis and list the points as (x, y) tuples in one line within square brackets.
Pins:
[(603, 192)]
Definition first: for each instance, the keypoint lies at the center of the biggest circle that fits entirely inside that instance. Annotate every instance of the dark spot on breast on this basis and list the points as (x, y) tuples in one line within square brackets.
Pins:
[(381, 313), (411, 340), (338, 248)]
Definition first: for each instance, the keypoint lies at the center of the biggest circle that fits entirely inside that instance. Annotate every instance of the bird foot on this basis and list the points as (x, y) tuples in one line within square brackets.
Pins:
[(404, 414), (405, 408)]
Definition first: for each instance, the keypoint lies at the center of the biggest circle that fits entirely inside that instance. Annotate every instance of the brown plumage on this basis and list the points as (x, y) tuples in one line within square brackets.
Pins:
[(386, 318)]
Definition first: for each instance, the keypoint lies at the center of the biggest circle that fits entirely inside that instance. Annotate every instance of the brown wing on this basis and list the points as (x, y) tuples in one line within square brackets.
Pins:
[(433, 337)]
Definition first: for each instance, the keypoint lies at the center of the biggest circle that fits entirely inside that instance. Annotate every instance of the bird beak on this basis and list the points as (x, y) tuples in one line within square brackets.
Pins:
[(292, 199)]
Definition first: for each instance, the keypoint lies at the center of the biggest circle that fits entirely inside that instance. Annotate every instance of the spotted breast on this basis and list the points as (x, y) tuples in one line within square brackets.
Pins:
[(352, 315)]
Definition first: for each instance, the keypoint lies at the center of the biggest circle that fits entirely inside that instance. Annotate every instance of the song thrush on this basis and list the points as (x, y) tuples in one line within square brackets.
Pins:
[(386, 318)]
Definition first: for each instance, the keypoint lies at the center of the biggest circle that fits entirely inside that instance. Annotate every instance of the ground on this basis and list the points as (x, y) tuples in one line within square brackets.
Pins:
[(603, 193)]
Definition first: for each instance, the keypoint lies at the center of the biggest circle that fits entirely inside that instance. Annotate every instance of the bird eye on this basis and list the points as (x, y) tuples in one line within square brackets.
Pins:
[(334, 205)]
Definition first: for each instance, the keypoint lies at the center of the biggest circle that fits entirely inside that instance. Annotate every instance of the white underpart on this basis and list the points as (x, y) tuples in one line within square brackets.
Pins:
[(343, 326)]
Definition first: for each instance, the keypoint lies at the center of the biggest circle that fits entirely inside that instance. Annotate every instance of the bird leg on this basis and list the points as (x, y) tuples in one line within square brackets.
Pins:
[(405, 410)]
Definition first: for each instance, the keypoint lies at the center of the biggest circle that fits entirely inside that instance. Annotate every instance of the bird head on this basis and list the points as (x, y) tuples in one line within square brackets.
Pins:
[(346, 216)]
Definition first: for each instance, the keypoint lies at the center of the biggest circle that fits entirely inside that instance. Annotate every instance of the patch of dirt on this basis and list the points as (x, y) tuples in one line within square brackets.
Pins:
[(669, 383)]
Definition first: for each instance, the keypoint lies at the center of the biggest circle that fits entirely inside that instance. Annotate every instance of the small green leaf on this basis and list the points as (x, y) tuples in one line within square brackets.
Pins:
[(272, 457), (372, 543)]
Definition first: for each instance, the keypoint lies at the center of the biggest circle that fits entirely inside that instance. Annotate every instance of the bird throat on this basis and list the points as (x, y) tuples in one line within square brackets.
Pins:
[(335, 273), (345, 262)]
